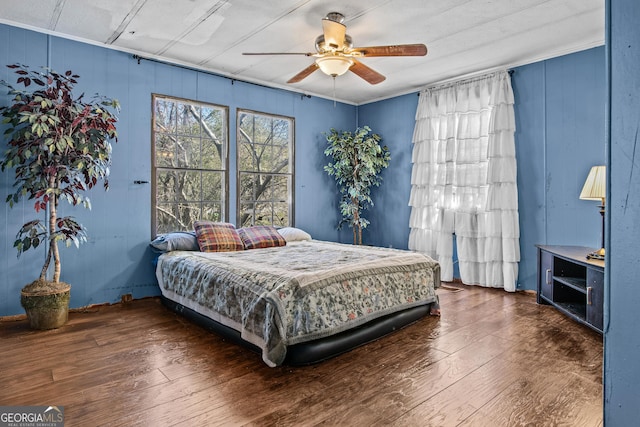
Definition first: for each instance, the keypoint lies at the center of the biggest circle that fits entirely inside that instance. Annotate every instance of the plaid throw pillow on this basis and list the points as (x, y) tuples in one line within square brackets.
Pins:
[(217, 237), (261, 236)]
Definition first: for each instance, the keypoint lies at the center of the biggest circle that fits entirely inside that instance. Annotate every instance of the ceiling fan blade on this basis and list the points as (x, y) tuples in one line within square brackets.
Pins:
[(393, 50), (304, 73), (279, 53), (334, 33), (370, 75)]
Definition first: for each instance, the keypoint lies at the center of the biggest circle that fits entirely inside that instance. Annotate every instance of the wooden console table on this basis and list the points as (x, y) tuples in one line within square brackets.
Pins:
[(572, 283)]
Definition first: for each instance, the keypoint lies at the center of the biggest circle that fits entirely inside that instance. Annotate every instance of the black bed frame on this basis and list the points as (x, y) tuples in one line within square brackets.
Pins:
[(307, 353)]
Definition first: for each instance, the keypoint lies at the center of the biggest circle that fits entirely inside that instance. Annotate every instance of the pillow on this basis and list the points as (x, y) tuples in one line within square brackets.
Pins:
[(292, 234), (261, 236), (176, 241), (217, 237)]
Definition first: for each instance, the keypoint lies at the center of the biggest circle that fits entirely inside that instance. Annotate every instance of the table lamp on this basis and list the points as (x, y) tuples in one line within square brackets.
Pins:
[(595, 189)]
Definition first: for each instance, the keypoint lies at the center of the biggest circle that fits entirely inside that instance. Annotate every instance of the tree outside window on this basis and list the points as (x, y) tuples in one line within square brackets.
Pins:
[(190, 163), (265, 169)]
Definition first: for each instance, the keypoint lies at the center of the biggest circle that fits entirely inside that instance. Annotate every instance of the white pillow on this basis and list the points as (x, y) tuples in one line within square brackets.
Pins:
[(292, 234)]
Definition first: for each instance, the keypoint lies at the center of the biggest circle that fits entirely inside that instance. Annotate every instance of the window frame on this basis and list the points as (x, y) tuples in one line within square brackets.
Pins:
[(154, 167), (292, 174)]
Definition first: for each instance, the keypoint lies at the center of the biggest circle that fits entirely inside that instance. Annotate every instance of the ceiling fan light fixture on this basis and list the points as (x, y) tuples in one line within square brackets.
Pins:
[(323, 46), (334, 65), (336, 55)]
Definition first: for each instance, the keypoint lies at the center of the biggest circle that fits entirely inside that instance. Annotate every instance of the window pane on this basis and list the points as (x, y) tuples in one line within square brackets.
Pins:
[(245, 128), (166, 186), (266, 188), (246, 216), (280, 188), (262, 128), (189, 186), (246, 157), (190, 152), (212, 186), (268, 160), (247, 186), (281, 214), (165, 150), (212, 212), (188, 155), (213, 122), (212, 154), (265, 144), (167, 214), (164, 116), (188, 214), (188, 120), (263, 213), (174, 216), (272, 188), (281, 133)]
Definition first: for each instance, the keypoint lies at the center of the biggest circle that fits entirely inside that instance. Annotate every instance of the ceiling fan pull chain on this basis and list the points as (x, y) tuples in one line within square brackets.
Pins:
[(334, 91)]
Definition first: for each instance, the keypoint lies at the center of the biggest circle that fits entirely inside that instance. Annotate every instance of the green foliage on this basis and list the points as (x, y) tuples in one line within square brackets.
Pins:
[(59, 146), (357, 162)]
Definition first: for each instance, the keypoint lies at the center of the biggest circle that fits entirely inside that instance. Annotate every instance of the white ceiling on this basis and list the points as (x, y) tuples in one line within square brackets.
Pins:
[(464, 37)]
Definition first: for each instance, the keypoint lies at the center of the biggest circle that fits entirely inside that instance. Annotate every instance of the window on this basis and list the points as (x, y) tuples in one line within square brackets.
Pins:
[(190, 163), (265, 169)]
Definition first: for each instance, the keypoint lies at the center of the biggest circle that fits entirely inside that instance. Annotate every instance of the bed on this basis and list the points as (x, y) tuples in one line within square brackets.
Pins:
[(301, 302)]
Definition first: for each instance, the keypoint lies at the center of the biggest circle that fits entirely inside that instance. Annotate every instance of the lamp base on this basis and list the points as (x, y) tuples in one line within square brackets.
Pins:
[(599, 254)]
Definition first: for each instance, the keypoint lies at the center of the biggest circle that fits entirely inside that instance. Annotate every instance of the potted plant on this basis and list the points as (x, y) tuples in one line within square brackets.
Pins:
[(59, 146), (357, 162)]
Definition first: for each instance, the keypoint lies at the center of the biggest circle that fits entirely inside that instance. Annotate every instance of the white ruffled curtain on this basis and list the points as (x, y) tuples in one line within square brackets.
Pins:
[(463, 181)]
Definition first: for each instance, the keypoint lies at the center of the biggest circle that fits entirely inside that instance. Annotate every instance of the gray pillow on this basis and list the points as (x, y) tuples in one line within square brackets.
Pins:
[(176, 241)]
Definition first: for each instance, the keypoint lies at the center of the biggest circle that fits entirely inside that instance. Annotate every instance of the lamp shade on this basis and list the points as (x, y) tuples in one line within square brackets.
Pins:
[(595, 185), (334, 65)]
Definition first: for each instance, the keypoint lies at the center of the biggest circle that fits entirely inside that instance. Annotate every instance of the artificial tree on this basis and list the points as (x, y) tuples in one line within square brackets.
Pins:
[(60, 147), (357, 162)]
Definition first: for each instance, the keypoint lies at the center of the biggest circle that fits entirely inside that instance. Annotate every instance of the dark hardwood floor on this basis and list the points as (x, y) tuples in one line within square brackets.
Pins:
[(492, 359)]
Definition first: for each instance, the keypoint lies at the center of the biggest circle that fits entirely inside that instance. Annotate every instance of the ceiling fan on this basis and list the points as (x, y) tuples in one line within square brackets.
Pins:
[(335, 54)]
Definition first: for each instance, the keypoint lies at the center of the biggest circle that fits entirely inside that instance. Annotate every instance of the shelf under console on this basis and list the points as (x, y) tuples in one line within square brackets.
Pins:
[(572, 283)]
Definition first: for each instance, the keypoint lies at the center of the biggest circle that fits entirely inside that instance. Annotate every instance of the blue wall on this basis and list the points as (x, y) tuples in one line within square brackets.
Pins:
[(560, 134), (621, 337), (116, 259), (393, 120)]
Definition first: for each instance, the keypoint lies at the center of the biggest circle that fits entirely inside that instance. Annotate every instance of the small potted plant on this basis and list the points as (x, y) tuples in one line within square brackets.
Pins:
[(357, 162), (59, 146)]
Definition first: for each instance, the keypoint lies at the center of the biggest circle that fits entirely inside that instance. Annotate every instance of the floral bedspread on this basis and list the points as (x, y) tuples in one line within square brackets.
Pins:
[(299, 292)]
